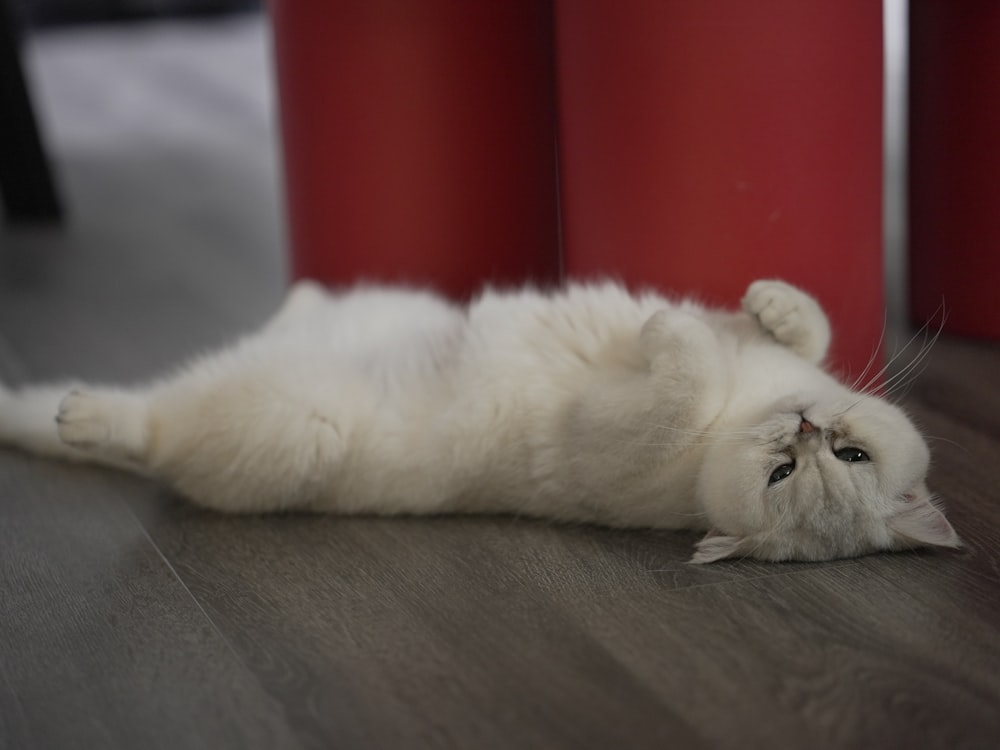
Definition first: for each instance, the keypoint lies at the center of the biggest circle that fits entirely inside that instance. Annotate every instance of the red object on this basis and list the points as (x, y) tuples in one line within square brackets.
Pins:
[(706, 144), (418, 140), (955, 163)]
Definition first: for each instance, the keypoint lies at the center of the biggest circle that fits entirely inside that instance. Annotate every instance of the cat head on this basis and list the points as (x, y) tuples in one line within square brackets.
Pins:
[(819, 478)]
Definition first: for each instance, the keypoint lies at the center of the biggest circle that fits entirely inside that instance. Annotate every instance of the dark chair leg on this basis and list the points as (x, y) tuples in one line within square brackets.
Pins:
[(26, 183)]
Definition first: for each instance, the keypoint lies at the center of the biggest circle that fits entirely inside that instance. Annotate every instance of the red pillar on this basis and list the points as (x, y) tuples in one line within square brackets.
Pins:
[(706, 144), (954, 166), (418, 140)]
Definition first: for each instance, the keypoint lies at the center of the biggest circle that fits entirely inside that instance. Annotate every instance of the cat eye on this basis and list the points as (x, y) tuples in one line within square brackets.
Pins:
[(782, 472), (851, 455)]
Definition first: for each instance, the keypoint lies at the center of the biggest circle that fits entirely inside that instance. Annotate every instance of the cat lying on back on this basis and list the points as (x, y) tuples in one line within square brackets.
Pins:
[(588, 404)]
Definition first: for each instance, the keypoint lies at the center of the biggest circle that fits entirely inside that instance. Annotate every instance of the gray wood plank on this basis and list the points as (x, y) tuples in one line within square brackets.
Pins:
[(424, 631), (101, 645), (833, 657), (437, 623)]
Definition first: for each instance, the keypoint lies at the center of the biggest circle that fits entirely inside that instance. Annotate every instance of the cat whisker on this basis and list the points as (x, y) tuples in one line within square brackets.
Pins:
[(761, 541), (920, 356), (899, 391), (703, 433), (908, 374), (842, 412), (671, 428), (875, 384), (663, 445), (874, 387), (668, 443), (941, 439), (874, 355)]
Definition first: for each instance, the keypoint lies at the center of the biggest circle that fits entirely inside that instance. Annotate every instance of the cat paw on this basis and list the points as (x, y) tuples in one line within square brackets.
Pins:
[(791, 316), (679, 346), (672, 332), (111, 423), (327, 440), (84, 421)]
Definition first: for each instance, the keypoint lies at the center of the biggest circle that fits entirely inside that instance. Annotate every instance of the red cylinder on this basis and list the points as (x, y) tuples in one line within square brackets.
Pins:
[(707, 144), (954, 164), (418, 140)]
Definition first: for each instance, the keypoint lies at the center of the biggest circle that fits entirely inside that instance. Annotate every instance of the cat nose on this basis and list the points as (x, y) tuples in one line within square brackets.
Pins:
[(806, 426)]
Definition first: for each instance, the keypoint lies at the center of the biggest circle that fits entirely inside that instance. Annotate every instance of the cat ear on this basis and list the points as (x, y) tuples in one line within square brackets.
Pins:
[(716, 546), (922, 523)]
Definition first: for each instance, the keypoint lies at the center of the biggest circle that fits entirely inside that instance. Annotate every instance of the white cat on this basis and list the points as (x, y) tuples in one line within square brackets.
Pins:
[(589, 404)]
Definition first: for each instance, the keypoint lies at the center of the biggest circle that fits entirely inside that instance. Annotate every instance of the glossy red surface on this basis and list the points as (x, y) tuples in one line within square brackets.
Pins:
[(418, 140), (706, 144)]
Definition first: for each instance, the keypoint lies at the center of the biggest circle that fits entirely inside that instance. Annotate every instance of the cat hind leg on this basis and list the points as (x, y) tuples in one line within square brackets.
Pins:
[(247, 443), (235, 443), (97, 425)]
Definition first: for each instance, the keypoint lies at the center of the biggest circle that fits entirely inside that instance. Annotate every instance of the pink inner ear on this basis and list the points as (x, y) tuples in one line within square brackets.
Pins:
[(921, 522)]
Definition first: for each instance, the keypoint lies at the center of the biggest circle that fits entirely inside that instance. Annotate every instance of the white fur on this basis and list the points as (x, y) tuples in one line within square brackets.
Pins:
[(588, 404)]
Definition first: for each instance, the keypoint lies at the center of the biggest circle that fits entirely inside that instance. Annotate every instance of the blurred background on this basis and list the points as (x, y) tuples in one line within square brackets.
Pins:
[(160, 125), (47, 13), (160, 121)]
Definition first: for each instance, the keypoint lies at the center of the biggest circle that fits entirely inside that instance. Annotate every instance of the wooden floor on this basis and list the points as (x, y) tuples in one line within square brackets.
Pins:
[(131, 620)]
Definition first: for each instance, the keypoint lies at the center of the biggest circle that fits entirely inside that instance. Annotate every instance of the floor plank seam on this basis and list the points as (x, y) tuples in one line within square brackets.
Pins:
[(187, 590)]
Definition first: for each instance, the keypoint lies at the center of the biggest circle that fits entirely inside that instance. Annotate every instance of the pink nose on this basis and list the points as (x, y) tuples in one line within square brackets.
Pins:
[(806, 426)]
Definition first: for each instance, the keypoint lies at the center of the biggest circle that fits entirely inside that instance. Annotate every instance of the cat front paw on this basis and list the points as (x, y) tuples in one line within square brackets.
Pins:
[(680, 347), (791, 316), (84, 421), (673, 333)]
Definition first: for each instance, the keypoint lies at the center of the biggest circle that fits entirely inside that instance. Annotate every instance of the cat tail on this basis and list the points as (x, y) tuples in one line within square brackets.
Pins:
[(29, 421)]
